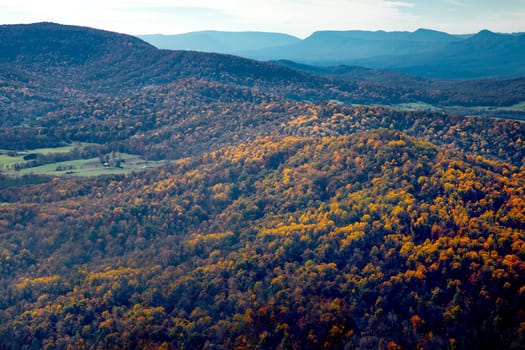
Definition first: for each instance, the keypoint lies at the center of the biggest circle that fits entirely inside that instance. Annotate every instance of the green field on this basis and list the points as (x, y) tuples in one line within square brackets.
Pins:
[(91, 167), (519, 107), (7, 161), (63, 149), (417, 106), (77, 167), (486, 111)]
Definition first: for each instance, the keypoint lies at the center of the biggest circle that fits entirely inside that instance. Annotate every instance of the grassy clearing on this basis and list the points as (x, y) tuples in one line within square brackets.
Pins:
[(417, 106), (64, 149), (91, 167), (7, 161), (519, 107), (486, 111), (50, 150), (78, 167)]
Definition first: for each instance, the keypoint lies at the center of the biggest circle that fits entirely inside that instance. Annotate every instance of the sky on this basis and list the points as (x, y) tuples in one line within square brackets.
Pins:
[(295, 17)]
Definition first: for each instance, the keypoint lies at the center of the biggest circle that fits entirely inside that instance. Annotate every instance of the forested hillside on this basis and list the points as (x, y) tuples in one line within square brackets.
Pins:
[(62, 65), (367, 240), (45, 68), (467, 93), (275, 217)]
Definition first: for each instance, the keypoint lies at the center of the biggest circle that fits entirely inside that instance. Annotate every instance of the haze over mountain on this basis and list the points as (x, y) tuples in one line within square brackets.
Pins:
[(424, 52), (485, 54), (333, 47), (220, 42)]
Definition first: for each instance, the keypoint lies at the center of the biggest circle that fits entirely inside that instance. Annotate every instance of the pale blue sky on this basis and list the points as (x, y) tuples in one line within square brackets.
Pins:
[(296, 17)]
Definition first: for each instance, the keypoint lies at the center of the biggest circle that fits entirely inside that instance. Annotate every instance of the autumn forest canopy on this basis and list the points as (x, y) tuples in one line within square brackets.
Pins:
[(162, 199)]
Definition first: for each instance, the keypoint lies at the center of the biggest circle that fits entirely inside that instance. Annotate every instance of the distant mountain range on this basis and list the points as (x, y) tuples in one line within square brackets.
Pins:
[(323, 47), (221, 42), (423, 52), (485, 54), (336, 47)]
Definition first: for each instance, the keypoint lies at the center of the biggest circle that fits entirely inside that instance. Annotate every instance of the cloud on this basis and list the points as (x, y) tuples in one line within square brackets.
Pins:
[(302, 17), (399, 4), (456, 3), (469, 16), (299, 17)]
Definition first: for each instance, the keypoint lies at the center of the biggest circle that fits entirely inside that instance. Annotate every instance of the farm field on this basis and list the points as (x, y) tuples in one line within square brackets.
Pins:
[(16, 165)]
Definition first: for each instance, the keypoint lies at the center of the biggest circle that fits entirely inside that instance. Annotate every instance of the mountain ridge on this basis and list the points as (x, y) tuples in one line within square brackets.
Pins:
[(219, 41), (495, 55), (477, 92), (48, 37), (486, 54), (110, 64), (131, 65), (332, 47)]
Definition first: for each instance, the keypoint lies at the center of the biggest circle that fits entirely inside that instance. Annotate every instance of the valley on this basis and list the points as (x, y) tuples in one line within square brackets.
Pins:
[(163, 199)]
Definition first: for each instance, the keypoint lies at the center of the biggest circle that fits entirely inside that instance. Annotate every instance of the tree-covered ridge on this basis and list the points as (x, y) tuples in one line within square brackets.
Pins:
[(190, 117), (65, 65), (484, 92), (372, 240)]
